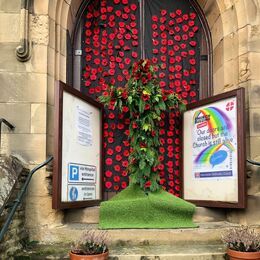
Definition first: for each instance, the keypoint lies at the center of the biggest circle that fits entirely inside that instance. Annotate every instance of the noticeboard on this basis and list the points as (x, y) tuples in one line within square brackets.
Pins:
[(213, 163), (77, 178)]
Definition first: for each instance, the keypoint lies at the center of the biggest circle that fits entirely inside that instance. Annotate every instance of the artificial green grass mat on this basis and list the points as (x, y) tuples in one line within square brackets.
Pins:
[(132, 208)]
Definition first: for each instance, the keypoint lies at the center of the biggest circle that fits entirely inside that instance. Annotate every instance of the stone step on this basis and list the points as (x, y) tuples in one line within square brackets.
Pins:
[(162, 252), (209, 232), (91, 215)]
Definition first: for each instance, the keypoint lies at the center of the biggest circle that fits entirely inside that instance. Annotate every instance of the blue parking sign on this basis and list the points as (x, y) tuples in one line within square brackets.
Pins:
[(73, 172)]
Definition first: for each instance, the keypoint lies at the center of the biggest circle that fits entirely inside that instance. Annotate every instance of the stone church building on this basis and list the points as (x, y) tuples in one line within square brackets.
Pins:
[(45, 41)]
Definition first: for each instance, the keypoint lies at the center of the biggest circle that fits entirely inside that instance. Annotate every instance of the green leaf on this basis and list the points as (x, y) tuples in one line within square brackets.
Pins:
[(142, 164)]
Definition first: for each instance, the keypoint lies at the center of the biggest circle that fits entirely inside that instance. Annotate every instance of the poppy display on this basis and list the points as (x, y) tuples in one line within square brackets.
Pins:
[(111, 43)]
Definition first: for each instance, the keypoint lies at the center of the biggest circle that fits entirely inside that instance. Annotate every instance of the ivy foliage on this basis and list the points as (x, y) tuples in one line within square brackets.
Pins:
[(145, 101)]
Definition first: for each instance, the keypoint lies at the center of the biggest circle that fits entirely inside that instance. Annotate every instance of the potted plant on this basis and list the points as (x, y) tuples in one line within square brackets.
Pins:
[(242, 242), (92, 246)]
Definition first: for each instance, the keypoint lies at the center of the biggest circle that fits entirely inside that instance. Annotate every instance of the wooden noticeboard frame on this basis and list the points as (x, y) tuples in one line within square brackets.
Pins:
[(78, 160), (214, 159)]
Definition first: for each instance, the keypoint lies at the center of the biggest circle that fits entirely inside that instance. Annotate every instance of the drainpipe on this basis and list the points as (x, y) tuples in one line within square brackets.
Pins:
[(23, 51)]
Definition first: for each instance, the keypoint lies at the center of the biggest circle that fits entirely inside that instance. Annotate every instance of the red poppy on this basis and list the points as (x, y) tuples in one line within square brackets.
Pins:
[(118, 148), (123, 185), (163, 58), (178, 58), (162, 27), (154, 26), (133, 7), (163, 19), (192, 61), (126, 153), (179, 20), (192, 15), (172, 15), (109, 161), (178, 12), (162, 85), (192, 70), (147, 184), (108, 184), (125, 164), (135, 43), (163, 12), (191, 23), (193, 43), (124, 2), (118, 13), (177, 38), (154, 60), (134, 54), (127, 9), (125, 16), (155, 18), (133, 24)]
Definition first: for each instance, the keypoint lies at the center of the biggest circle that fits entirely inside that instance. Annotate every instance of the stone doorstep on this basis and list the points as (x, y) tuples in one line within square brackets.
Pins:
[(91, 215), (206, 233), (162, 252)]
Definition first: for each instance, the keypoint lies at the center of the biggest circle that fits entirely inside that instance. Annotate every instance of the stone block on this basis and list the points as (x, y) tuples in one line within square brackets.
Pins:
[(62, 69), (23, 87), (254, 147), (254, 38), (52, 9), (218, 55), (252, 11), (50, 118), (41, 7), (51, 86), (209, 215), (31, 146), (243, 40), (253, 181), (63, 42), (51, 62), (217, 32), (248, 216), (65, 13), (50, 144), (218, 81), (52, 33), (254, 122), (202, 3), (229, 20), (18, 115), (231, 69), (8, 61), (38, 118), (244, 68), (211, 12), (231, 49), (8, 6), (40, 29), (38, 61), (241, 13), (254, 94), (40, 216), (38, 185), (87, 215), (10, 27), (254, 65)]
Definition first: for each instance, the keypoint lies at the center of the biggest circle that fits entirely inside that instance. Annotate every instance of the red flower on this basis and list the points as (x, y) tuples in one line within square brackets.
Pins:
[(145, 97), (178, 12), (127, 9), (123, 185), (154, 18), (118, 13), (147, 184), (118, 148), (118, 157), (125, 16), (154, 26), (179, 20), (133, 7), (109, 161), (192, 61), (134, 125), (125, 164), (110, 9), (191, 23), (135, 43), (163, 12), (177, 28), (124, 2), (177, 38), (193, 43), (108, 174), (133, 24), (108, 184), (163, 19), (134, 55), (162, 27), (126, 153), (162, 85)]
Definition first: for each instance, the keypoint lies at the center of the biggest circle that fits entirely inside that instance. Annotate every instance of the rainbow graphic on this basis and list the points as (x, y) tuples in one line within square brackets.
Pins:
[(216, 120), (205, 155)]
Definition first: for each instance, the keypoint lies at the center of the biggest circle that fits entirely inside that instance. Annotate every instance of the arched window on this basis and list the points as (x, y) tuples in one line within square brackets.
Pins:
[(109, 36)]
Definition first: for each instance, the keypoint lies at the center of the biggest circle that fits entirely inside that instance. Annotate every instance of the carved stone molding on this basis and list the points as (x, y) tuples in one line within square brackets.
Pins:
[(23, 51)]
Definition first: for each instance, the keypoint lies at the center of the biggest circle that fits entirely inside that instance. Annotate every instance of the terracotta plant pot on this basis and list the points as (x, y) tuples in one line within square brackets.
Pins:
[(103, 256), (237, 255)]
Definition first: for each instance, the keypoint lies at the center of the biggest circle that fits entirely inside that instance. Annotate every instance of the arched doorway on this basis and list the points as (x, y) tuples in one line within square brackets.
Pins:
[(109, 36)]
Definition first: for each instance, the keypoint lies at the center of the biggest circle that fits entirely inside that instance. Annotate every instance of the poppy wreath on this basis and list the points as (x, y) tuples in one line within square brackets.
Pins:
[(145, 102)]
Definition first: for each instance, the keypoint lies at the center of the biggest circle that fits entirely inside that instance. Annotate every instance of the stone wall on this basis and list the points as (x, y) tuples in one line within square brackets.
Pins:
[(13, 170)]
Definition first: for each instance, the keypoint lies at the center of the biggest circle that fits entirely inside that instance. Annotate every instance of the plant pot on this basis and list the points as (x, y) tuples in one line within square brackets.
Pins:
[(103, 256), (237, 255)]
